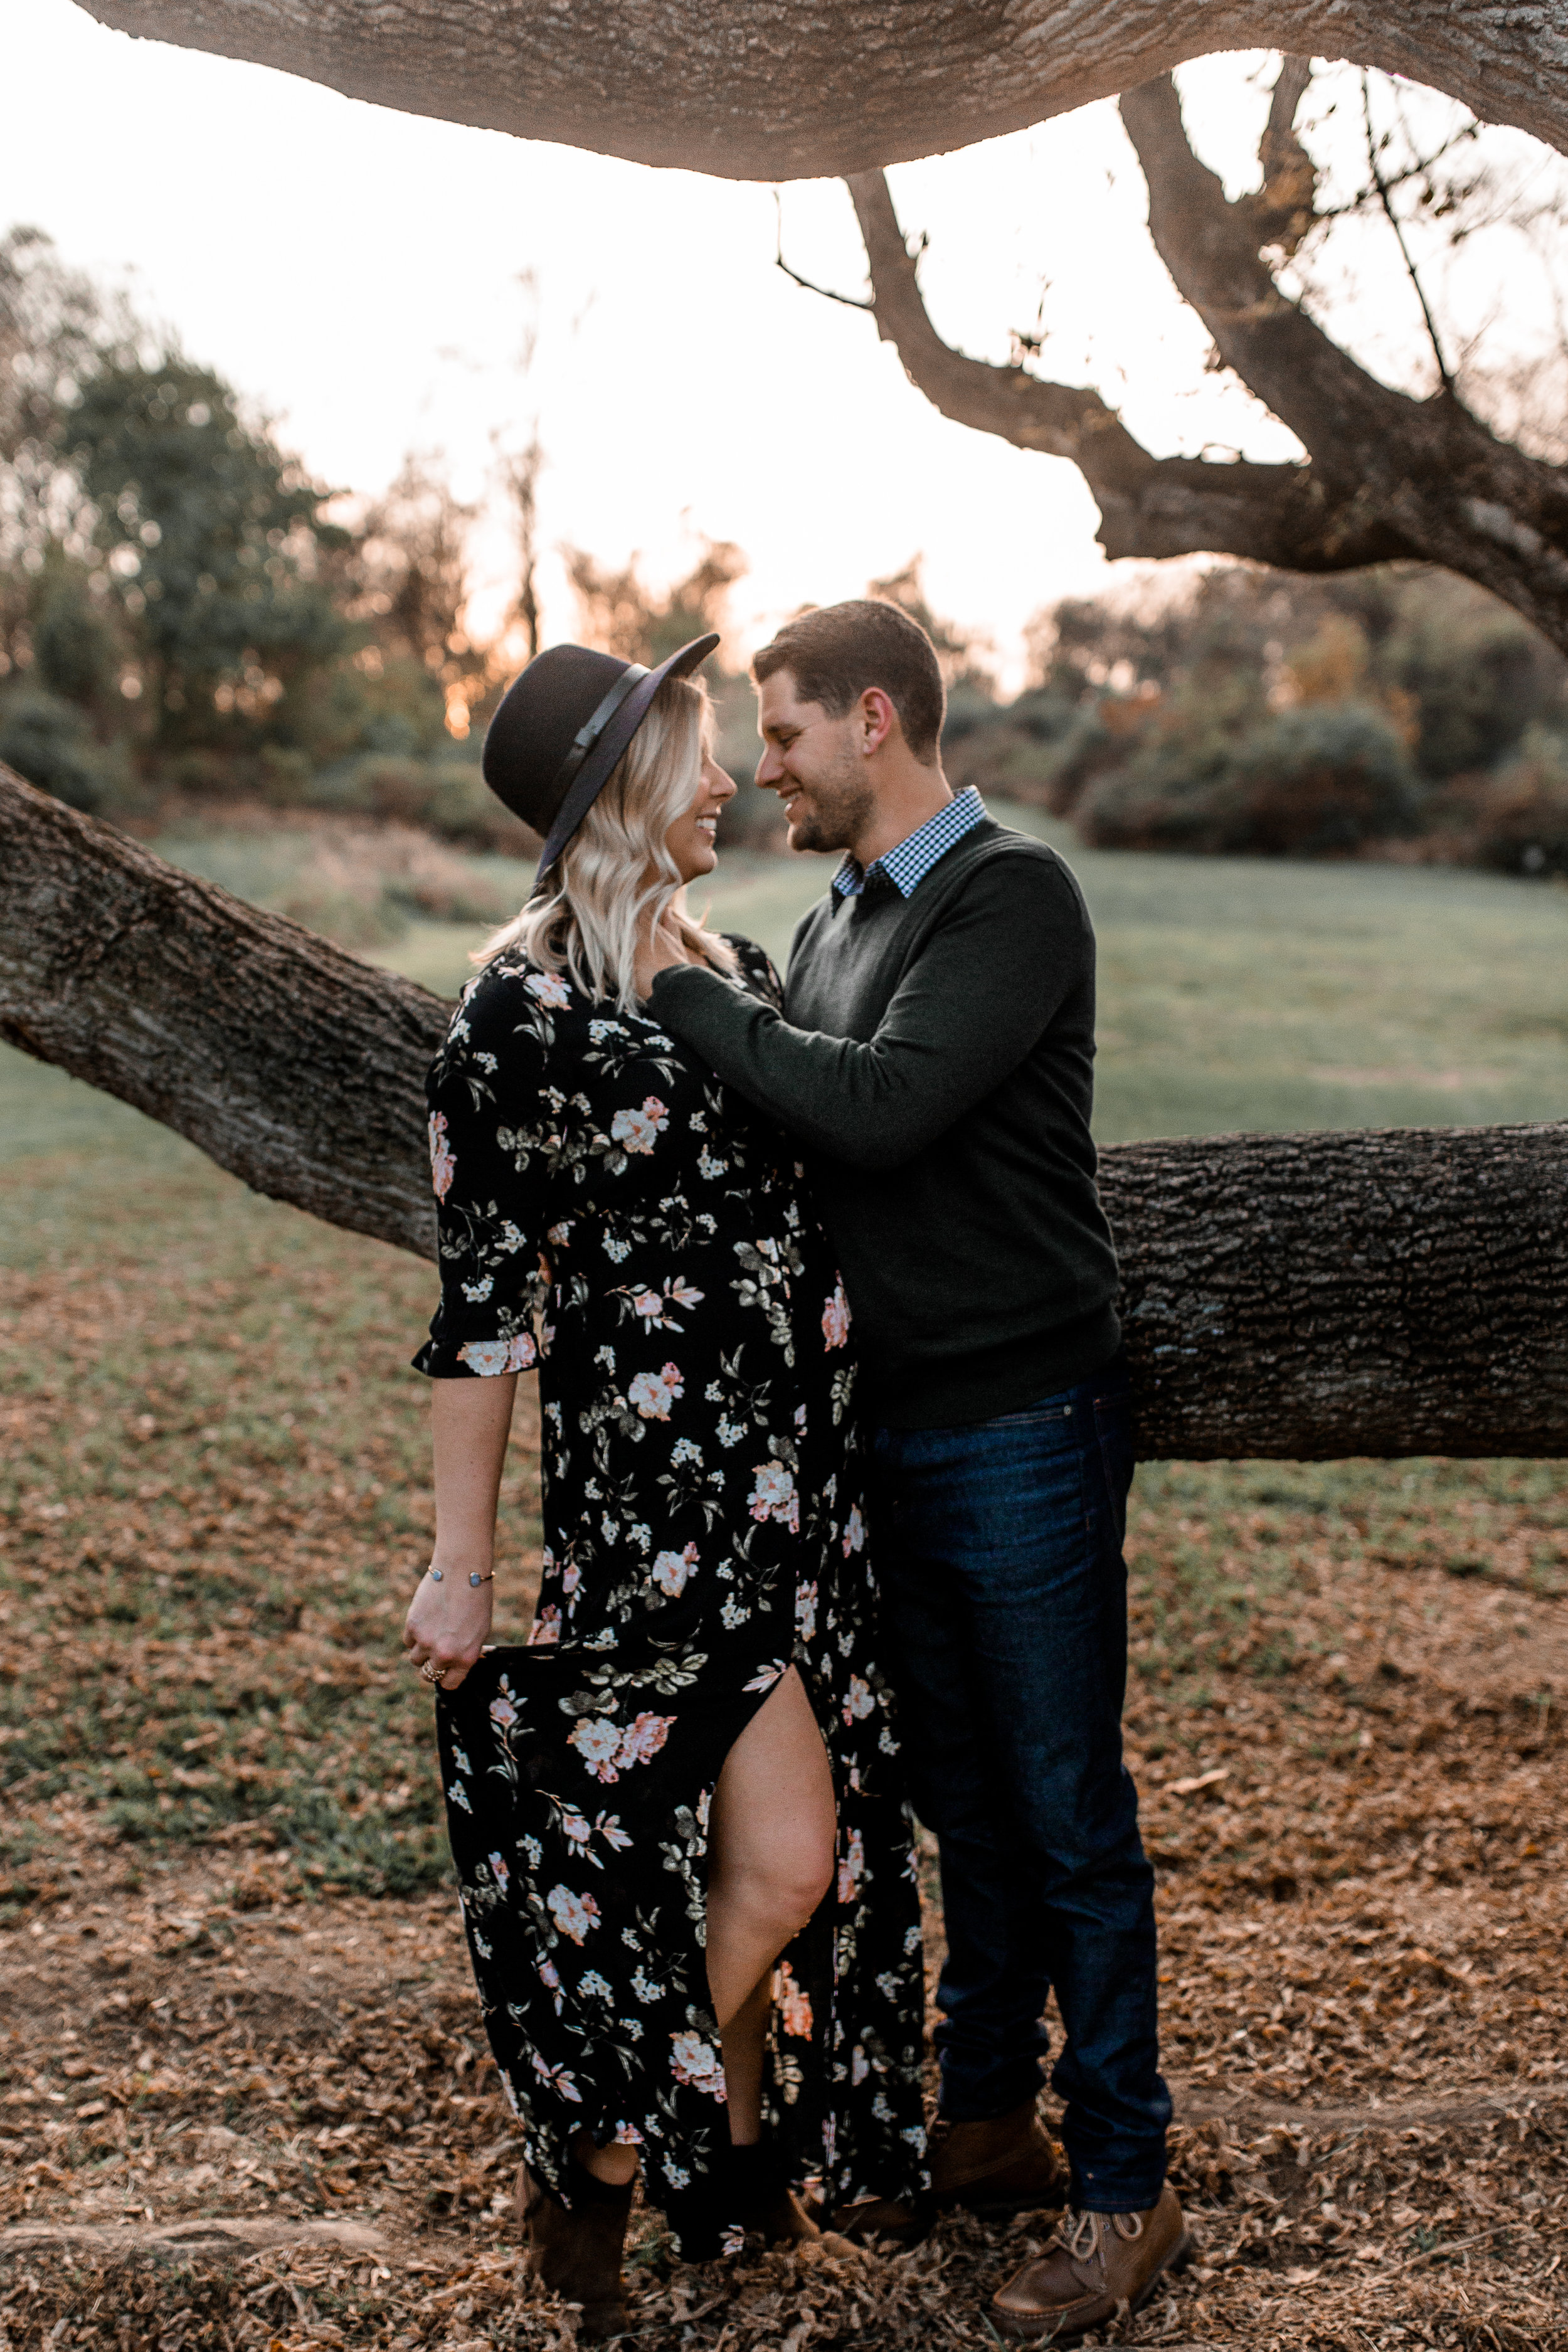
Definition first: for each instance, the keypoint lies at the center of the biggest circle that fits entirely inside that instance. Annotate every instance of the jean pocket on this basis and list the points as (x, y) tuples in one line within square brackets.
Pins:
[(1050, 1414)]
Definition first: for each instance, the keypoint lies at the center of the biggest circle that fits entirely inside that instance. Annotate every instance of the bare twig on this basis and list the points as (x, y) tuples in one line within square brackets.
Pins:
[(851, 301), (1386, 201)]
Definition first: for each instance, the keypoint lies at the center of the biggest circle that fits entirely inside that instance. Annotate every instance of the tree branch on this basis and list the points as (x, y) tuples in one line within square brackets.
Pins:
[(1283, 209), (851, 301), (778, 89), (1295, 1295), (295, 1067), (1385, 205), (1385, 476), (1426, 475), (1148, 506)]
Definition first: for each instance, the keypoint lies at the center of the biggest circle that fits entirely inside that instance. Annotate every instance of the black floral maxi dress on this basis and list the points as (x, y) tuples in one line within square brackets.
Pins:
[(609, 1210)]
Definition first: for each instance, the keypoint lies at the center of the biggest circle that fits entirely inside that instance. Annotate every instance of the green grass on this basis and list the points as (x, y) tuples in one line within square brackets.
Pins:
[(1250, 994), (215, 1503)]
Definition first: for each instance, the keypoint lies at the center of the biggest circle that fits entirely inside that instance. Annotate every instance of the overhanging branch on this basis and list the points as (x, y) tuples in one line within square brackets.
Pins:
[(778, 89), (1385, 476), (1148, 506)]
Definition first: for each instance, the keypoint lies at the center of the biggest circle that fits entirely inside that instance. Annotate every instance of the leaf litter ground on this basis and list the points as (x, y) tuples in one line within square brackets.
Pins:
[(232, 1985)]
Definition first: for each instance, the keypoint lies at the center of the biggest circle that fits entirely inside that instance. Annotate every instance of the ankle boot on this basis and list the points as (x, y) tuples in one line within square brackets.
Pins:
[(577, 2254), (759, 2193)]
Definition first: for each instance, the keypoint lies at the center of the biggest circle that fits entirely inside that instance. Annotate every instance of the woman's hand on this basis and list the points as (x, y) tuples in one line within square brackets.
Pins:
[(447, 1625), (448, 1620)]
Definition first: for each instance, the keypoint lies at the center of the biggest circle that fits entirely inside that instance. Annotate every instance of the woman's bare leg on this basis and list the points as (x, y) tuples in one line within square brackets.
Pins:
[(771, 1844), (614, 2165)]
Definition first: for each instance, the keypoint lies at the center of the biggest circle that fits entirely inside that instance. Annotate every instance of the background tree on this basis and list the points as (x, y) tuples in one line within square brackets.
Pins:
[(411, 584), (182, 606), (617, 612)]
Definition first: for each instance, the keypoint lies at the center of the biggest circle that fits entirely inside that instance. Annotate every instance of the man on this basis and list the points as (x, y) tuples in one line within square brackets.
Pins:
[(935, 1057)]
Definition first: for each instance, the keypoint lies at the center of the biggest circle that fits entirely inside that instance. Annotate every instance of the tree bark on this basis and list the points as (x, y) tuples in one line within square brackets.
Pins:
[(295, 1067), (1385, 476), (1315, 1296), (1303, 1297), (779, 89)]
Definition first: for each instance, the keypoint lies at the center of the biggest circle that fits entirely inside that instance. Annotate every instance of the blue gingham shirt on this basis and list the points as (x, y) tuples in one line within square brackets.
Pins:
[(907, 866)]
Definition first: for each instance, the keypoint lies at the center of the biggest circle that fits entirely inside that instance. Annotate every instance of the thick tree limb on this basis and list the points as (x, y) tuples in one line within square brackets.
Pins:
[(1434, 476), (1385, 476), (295, 1067), (780, 90), (1303, 1297), (1312, 1296)]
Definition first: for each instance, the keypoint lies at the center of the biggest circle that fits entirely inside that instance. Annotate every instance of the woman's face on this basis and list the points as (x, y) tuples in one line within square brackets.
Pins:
[(689, 840)]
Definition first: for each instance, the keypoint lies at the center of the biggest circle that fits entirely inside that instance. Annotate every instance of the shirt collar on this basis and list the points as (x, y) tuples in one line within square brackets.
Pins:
[(907, 866)]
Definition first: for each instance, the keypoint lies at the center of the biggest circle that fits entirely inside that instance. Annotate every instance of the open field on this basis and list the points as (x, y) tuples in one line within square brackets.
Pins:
[(1235, 992), (231, 1982)]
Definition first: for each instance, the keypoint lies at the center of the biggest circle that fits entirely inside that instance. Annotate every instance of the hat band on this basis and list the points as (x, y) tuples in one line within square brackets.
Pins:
[(581, 775), (593, 725)]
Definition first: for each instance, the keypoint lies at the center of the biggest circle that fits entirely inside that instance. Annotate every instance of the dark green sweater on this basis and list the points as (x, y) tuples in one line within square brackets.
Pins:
[(936, 1056)]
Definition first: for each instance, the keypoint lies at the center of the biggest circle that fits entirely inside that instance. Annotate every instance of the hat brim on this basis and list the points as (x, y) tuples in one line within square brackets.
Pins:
[(602, 759)]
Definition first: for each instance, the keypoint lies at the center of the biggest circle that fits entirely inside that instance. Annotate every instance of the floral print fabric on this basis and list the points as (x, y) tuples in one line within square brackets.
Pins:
[(609, 1212)]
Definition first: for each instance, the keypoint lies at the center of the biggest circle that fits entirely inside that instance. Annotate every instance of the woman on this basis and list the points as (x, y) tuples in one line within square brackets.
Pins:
[(676, 1814)]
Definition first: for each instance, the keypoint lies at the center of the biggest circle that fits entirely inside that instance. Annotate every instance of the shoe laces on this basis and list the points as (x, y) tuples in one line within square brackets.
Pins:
[(1081, 2232)]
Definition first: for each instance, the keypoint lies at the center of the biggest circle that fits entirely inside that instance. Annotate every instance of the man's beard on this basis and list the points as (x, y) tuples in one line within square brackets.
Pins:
[(837, 813)]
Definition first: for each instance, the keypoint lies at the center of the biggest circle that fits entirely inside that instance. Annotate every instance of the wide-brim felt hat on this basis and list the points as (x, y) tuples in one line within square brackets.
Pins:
[(561, 727)]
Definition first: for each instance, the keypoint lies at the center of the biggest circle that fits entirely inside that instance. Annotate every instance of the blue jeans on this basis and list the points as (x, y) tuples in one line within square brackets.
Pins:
[(1004, 1629)]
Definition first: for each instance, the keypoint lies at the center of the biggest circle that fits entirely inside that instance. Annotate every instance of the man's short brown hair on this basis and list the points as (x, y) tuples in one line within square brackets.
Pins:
[(835, 654)]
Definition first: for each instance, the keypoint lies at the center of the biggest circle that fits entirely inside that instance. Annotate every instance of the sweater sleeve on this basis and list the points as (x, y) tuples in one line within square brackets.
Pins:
[(969, 1008)]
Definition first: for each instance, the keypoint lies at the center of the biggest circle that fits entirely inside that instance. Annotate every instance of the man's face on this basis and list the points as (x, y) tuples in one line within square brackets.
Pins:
[(813, 761)]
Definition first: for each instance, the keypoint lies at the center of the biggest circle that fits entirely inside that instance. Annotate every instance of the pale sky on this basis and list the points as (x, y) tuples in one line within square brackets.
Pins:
[(356, 272)]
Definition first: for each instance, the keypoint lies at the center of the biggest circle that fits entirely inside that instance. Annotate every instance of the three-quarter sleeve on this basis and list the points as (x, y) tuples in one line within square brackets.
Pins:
[(489, 1112)]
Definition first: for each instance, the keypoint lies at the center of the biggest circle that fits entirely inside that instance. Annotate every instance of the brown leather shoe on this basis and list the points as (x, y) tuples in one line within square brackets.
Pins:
[(1009, 2164), (577, 2254), (1096, 2265)]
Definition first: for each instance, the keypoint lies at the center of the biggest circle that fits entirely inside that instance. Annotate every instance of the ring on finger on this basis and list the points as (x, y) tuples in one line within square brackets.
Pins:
[(431, 1672)]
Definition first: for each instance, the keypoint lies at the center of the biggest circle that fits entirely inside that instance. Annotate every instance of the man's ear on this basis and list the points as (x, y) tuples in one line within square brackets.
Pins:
[(878, 720)]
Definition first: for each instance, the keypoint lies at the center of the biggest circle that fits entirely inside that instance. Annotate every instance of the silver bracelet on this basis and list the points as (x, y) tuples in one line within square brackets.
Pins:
[(439, 1576)]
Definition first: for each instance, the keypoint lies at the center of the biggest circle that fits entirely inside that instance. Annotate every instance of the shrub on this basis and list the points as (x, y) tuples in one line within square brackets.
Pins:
[(1477, 673), (460, 806), (1011, 755), (51, 744), (452, 801), (1316, 782), (1521, 813)]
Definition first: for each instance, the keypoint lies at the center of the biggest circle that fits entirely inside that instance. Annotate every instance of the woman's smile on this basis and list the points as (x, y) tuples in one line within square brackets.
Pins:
[(692, 839)]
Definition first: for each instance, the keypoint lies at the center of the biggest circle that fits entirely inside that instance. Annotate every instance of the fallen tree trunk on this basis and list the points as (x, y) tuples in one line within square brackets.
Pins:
[(1302, 1296)]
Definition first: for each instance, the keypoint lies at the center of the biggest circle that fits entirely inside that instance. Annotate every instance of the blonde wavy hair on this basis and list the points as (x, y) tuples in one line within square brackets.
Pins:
[(616, 874)]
